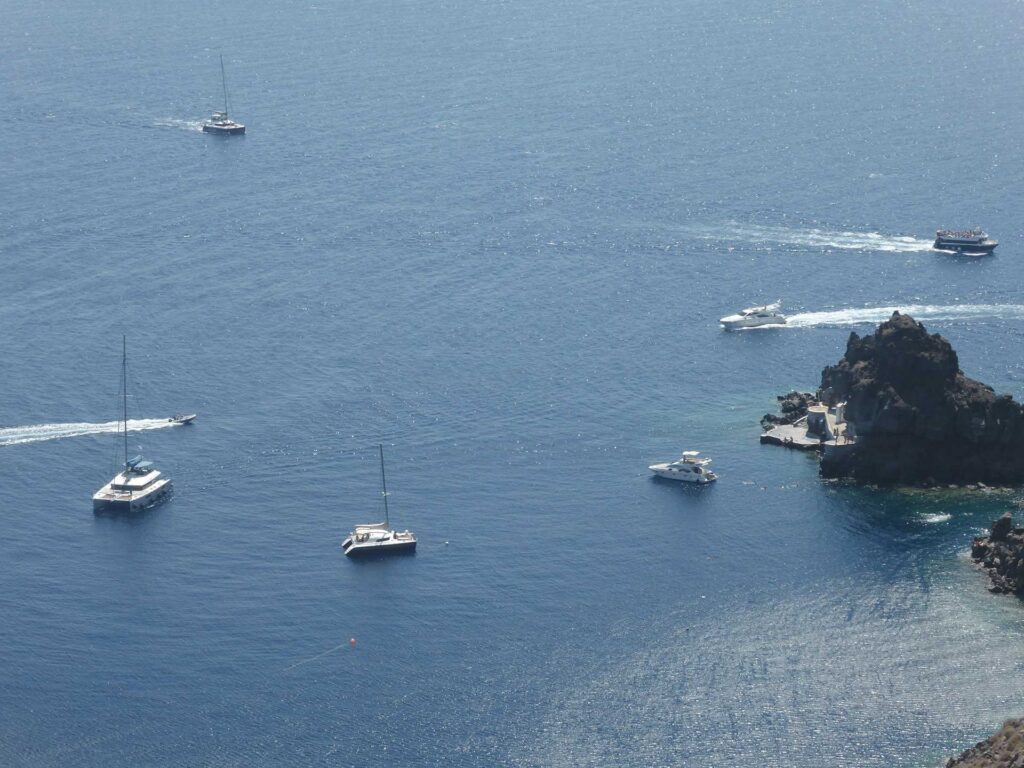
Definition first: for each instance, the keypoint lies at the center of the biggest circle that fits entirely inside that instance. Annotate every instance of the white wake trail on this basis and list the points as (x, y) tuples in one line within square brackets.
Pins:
[(818, 238), (184, 125), (922, 312), (38, 432)]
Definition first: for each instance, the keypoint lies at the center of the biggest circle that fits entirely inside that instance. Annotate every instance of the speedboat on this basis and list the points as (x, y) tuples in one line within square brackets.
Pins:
[(688, 468), (752, 317), (183, 418), (138, 486), (378, 538), (970, 242)]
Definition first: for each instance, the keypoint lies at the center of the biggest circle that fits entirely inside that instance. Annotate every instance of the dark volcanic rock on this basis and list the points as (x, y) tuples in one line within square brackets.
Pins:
[(1002, 527), (1001, 553), (916, 417), (793, 406), (1003, 750)]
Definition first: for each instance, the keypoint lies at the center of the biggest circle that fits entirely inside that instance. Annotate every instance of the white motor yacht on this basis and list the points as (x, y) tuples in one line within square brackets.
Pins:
[(688, 468), (752, 317), (378, 538)]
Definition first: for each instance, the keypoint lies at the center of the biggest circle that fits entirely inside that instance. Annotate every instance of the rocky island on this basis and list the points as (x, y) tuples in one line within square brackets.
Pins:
[(913, 417)]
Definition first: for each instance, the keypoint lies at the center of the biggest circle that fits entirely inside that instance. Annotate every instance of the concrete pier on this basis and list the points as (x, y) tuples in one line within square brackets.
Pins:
[(818, 431)]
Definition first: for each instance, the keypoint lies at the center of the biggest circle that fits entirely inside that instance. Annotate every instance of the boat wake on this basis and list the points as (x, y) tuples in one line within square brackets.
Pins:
[(39, 432), (182, 125), (922, 312), (824, 239)]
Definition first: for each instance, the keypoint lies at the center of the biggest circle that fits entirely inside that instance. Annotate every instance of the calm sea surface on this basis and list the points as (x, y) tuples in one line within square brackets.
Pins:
[(496, 237)]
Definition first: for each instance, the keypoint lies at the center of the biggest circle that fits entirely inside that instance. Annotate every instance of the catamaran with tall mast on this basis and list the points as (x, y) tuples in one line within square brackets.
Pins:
[(378, 538), (219, 122), (139, 484)]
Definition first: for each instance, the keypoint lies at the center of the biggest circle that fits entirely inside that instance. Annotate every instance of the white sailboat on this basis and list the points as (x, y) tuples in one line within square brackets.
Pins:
[(139, 484), (378, 538), (219, 122)]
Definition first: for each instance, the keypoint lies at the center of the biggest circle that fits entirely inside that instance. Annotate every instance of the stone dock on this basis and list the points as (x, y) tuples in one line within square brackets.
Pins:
[(822, 428)]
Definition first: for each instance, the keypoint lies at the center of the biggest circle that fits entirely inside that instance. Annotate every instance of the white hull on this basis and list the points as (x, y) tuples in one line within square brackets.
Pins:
[(106, 499), (965, 251), (733, 325), (224, 129), (379, 547), (754, 317), (376, 539), (663, 470)]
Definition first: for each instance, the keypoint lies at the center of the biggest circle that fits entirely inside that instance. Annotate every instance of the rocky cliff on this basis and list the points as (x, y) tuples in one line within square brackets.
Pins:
[(1003, 750), (792, 406), (1001, 553), (916, 417)]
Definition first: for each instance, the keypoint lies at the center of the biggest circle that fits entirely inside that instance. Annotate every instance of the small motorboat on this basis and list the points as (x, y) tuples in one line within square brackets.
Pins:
[(753, 317), (688, 468), (183, 418)]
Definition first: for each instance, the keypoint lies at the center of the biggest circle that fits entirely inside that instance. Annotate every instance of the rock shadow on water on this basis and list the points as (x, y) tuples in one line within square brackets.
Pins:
[(909, 518)]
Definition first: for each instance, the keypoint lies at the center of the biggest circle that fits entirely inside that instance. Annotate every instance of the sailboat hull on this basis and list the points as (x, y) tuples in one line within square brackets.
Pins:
[(224, 130), (377, 548), (119, 502)]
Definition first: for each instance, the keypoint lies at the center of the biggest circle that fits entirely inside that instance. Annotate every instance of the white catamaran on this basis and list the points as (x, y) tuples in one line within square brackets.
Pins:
[(139, 484), (219, 122), (378, 538)]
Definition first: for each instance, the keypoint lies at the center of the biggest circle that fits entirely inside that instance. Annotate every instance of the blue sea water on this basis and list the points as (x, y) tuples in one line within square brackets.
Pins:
[(496, 237)]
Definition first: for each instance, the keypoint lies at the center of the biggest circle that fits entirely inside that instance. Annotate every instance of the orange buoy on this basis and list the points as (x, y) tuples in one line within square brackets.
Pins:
[(352, 641)]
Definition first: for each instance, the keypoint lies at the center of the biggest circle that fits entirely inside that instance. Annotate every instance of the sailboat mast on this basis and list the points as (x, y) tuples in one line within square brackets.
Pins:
[(384, 485), (224, 83), (124, 392)]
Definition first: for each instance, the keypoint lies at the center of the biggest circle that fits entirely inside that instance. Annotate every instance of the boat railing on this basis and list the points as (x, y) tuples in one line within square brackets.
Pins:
[(966, 234)]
